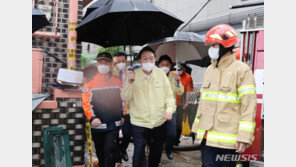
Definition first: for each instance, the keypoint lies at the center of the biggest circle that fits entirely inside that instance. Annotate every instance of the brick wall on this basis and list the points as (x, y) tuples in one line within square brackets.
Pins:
[(71, 118), (51, 66)]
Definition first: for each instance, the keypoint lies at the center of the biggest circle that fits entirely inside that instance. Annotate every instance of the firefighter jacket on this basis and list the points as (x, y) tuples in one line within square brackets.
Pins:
[(101, 99), (227, 108)]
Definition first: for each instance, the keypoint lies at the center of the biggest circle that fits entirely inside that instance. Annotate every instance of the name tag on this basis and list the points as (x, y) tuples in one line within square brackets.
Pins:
[(101, 126), (117, 123)]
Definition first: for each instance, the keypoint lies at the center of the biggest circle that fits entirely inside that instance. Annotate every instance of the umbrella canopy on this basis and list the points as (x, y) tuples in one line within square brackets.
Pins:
[(39, 20), (183, 46), (94, 6), (127, 22)]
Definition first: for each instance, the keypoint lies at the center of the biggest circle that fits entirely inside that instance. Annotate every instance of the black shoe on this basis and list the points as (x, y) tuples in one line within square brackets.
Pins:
[(169, 155), (177, 143), (124, 156)]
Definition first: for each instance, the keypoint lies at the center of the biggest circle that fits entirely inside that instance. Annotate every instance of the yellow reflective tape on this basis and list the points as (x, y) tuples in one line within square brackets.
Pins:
[(239, 165), (200, 133), (217, 36), (218, 96), (196, 120), (233, 32), (229, 33), (246, 129), (220, 93), (248, 89), (247, 122), (247, 86), (247, 126), (247, 92), (221, 137)]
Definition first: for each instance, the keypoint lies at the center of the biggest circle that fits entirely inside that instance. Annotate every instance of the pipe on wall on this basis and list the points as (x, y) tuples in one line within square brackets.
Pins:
[(72, 34)]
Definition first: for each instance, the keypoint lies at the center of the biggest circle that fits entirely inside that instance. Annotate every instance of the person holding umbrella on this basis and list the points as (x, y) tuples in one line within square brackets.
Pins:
[(165, 63), (152, 103)]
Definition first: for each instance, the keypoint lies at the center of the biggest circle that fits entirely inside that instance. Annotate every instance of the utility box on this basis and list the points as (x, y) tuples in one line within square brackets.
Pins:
[(56, 147)]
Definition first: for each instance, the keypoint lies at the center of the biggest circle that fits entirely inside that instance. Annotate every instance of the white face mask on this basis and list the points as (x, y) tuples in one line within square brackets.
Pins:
[(148, 66), (165, 69), (213, 53), (121, 66), (179, 72), (103, 69)]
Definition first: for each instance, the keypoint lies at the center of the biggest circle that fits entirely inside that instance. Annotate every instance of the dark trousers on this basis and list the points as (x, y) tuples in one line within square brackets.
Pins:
[(171, 133), (126, 133), (209, 156), (155, 140), (179, 119), (106, 145)]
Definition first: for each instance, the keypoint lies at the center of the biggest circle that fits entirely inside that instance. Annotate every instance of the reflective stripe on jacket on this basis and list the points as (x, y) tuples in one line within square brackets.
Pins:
[(227, 105)]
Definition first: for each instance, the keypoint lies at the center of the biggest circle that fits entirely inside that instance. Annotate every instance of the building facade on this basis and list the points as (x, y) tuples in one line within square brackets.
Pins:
[(215, 12), (61, 108)]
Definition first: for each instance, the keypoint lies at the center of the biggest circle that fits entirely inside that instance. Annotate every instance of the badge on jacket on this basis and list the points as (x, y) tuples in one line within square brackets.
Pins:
[(84, 90)]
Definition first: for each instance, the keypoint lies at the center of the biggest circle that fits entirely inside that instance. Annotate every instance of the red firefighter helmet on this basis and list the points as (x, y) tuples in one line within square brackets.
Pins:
[(223, 34)]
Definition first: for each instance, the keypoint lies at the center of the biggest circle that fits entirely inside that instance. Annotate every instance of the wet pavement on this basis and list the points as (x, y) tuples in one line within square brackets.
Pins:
[(181, 158)]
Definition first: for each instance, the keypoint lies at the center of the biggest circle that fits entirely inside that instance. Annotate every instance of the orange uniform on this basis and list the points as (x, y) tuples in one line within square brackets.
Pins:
[(186, 81), (101, 99)]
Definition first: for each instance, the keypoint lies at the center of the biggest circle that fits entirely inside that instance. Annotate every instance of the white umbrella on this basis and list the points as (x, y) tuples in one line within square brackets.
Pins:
[(183, 46)]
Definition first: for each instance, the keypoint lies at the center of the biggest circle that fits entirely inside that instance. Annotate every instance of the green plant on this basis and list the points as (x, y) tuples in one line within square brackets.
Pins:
[(85, 59), (112, 50)]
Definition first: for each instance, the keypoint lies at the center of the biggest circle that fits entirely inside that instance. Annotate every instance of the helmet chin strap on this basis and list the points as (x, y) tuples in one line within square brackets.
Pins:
[(222, 52)]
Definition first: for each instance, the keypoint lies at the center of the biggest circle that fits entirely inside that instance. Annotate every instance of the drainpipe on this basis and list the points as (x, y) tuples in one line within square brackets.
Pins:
[(72, 34)]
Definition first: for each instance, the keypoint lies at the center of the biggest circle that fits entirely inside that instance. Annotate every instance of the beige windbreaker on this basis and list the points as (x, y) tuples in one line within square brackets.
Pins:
[(227, 105)]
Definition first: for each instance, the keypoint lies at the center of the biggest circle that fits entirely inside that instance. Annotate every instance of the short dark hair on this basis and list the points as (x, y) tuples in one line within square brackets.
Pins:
[(121, 54), (165, 57), (147, 48)]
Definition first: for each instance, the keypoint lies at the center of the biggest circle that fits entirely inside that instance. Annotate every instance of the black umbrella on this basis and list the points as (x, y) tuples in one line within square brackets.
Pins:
[(39, 20), (94, 6), (127, 22)]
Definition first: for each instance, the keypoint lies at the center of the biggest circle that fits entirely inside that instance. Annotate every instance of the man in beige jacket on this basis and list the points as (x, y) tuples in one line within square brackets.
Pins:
[(151, 103), (225, 119), (165, 63)]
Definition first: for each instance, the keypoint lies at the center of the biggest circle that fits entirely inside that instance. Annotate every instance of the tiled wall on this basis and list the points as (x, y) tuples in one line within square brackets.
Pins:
[(71, 118)]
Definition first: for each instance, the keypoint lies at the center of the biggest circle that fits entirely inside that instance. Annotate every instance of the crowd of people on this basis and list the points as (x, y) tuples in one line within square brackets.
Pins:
[(148, 105)]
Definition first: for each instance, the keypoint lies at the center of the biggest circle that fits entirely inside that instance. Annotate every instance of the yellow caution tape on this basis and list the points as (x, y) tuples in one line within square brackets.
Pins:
[(89, 143)]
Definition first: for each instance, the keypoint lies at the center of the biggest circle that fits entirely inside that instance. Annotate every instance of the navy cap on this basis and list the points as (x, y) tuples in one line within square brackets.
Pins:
[(104, 55), (181, 65)]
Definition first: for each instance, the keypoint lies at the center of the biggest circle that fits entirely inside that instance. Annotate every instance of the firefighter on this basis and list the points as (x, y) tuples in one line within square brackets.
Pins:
[(103, 108), (225, 119), (165, 63)]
